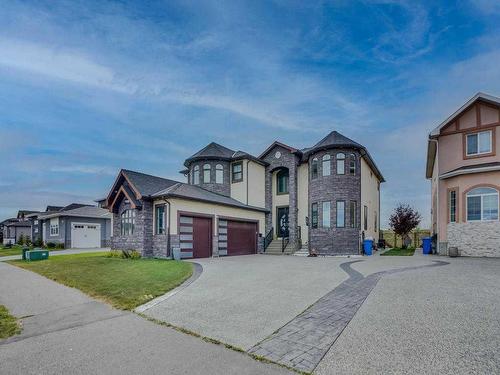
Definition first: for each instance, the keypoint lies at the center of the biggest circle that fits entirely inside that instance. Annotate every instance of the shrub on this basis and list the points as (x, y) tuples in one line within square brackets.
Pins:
[(135, 254), (114, 254), (38, 242), (50, 245), (59, 246), (21, 239)]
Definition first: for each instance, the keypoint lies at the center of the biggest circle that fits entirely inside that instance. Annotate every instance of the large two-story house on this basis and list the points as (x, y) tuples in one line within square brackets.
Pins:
[(463, 164), (326, 198)]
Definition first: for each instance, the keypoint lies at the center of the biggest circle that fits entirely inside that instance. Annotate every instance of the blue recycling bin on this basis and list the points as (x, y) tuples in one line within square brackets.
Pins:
[(427, 245), (368, 246)]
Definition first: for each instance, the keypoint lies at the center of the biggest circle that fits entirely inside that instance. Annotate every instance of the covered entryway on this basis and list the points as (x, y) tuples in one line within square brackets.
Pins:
[(195, 236), (241, 237), (85, 236)]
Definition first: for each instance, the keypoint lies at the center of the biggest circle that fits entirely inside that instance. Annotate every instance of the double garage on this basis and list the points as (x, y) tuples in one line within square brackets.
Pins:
[(234, 236)]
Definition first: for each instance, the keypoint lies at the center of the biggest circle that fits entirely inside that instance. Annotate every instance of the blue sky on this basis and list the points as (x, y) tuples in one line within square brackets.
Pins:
[(87, 88)]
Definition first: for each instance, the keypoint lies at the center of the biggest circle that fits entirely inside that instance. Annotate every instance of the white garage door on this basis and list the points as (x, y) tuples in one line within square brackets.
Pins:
[(85, 235)]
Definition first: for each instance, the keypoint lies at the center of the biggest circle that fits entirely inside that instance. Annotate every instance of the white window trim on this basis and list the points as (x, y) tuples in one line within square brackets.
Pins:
[(326, 160), (55, 227), (219, 172), (482, 206), (478, 146)]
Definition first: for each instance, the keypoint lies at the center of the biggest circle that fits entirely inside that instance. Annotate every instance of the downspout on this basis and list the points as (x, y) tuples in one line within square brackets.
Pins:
[(437, 195), (248, 161)]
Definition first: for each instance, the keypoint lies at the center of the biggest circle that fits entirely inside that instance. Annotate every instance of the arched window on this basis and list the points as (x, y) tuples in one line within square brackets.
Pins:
[(314, 169), (196, 175), (482, 204), (219, 174), (352, 164), (206, 173), (282, 182), (326, 165), (340, 163)]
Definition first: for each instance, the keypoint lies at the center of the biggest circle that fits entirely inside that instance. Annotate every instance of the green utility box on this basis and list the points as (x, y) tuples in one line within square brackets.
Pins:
[(37, 255), (25, 250)]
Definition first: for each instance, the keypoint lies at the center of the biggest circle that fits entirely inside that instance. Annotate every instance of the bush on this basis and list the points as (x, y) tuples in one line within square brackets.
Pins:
[(60, 246), (124, 254), (51, 245), (38, 242), (21, 239)]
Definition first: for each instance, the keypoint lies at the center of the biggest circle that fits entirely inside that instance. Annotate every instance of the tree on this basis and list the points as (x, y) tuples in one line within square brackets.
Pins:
[(403, 220)]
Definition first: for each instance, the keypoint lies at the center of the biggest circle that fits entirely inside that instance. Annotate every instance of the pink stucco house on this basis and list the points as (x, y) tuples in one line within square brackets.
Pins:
[(463, 164)]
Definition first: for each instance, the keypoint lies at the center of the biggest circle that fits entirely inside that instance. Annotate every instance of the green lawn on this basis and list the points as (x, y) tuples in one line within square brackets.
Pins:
[(402, 252), (124, 283), (8, 324)]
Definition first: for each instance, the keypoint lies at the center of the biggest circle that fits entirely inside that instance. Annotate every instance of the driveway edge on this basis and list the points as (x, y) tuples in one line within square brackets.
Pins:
[(197, 271)]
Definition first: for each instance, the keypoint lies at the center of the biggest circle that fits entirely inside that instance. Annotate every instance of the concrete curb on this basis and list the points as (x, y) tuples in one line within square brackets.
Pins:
[(198, 269)]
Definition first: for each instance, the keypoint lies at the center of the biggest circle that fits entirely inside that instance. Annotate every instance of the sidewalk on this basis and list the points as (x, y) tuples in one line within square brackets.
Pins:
[(67, 332)]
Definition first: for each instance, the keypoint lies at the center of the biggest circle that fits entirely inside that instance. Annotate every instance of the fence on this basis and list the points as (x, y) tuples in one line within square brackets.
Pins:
[(393, 240)]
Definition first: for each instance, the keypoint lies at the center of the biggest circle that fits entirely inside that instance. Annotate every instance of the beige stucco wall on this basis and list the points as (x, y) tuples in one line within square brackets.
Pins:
[(302, 200), (185, 205), (369, 198), (278, 201), (463, 183), (451, 152), (251, 190)]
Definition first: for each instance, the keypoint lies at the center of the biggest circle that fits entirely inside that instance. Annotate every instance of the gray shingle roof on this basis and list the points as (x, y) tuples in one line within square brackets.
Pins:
[(147, 184), (53, 208), (182, 190), (85, 211), (19, 224), (72, 206), (212, 150)]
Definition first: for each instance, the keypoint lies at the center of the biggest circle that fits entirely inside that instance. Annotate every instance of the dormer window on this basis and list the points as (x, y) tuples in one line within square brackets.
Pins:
[(206, 173), (479, 143), (219, 174), (196, 175)]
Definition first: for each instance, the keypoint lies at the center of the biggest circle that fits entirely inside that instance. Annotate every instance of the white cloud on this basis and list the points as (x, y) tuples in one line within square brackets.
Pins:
[(84, 169)]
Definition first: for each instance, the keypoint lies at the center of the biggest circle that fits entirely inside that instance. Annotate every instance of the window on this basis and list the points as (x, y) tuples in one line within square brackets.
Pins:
[(341, 163), (35, 222), (196, 175), (282, 181), (352, 164), (36, 230), (365, 217), (452, 204), (54, 227), (127, 222), (219, 174), (326, 165), (314, 215), (482, 204), (352, 214), (479, 143), (340, 214), (206, 173), (237, 172), (326, 215), (160, 219), (314, 169)]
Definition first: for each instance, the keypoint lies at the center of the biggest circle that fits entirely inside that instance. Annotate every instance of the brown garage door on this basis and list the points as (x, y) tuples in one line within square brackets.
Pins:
[(241, 238), (195, 236)]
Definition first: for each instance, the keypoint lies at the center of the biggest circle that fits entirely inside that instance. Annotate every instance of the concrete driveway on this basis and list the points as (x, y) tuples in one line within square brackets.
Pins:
[(66, 332), (242, 300)]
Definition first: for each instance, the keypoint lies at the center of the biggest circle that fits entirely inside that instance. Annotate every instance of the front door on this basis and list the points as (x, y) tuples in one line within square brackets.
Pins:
[(282, 222)]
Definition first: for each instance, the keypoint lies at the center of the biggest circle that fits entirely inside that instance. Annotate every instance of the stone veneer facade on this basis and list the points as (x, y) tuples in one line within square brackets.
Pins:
[(333, 188), (479, 239), (286, 160), (224, 188)]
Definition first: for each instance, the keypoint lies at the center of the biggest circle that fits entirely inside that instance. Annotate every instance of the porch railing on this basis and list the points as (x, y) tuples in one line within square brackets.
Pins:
[(268, 239), (284, 243)]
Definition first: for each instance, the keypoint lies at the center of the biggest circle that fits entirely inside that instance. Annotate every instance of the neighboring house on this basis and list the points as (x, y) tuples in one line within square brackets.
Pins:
[(463, 164), (13, 229), (75, 226), (325, 197)]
